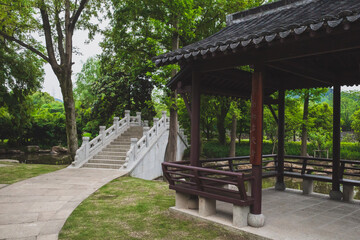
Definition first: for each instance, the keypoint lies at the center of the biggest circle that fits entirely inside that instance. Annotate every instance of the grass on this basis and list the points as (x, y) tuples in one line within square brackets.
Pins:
[(131, 208), (15, 172)]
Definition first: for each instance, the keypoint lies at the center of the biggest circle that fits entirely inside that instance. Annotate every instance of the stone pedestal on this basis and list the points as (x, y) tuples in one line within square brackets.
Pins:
[(348, 193), (308, 186), (240, 216), (207, 207), (193, 202), (181, 200), (256, 220)]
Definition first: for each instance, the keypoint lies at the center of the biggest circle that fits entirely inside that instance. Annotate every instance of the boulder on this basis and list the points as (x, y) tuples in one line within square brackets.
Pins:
[(15, 151), (32, 149), (44, 151), (58, 149)]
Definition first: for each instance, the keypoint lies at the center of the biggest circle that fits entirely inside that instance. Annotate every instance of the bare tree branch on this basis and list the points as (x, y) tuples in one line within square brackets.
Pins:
[(21, 43), (76, 16), (60, 36), (48, 39)]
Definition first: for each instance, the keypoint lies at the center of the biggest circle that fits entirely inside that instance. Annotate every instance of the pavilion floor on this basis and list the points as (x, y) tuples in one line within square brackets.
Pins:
[(292, 215)]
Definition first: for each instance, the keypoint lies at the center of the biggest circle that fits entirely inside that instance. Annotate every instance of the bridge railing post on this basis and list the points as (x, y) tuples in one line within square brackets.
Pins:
[(102, 133), (134, 146), (116, 123), (138, 117), (127, 116), (146, 123), (145, 133), (86, 146), (156, 121)]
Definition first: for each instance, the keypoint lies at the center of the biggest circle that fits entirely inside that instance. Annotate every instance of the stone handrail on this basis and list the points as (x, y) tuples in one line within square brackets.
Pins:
[(89, 149), (150, 136)]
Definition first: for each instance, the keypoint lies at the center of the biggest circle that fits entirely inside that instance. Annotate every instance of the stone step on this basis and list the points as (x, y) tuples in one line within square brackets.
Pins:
[(115, 150), (119, 148), (104, 161), (101, 165), (109, 157), (113, 153)]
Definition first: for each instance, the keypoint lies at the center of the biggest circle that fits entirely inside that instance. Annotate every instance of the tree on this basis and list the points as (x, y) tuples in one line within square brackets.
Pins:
[(58, 21), (20, 74), (355, 125), (307, 95)]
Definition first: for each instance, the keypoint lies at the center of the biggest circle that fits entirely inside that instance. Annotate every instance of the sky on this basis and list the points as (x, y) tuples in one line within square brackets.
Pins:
[(51, 84)]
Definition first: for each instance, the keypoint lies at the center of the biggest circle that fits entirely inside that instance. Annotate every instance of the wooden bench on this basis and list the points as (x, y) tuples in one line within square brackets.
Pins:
[(208, 183)]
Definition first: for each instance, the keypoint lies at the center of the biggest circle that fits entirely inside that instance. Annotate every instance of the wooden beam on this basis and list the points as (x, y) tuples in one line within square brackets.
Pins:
[(256, 138), (312, 73), (336, 139), (280, 185), (195, 120)]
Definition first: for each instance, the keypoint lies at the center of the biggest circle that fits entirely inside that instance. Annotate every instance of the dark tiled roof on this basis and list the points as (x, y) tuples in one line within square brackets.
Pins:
[(269, 22)]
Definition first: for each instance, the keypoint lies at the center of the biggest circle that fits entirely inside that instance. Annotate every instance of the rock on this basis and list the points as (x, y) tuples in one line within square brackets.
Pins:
[(9, 160), (15, 151), (58, 149), (32, 149), (44, 151)]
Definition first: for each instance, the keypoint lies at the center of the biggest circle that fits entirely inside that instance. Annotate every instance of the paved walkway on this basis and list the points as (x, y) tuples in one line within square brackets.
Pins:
[(37, 208), (291, 215)]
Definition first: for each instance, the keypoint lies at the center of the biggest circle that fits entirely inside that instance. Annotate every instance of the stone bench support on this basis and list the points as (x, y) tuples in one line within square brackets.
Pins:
[(308, 186), (240, 216), (348, 193), (207, 207), (186, 201)]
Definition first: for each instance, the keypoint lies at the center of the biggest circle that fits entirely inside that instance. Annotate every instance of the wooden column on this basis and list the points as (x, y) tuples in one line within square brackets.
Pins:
[(195, 120), (281, 135), (256, 139), (336, 144)]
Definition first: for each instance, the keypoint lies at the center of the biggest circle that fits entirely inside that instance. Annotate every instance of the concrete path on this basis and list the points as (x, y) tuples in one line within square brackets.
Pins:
[(37, 208)]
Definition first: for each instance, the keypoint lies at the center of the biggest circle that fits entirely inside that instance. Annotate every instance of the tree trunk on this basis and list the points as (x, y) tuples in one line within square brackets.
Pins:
[(224, 108), (171, 148), (233, 137), (304, 134), (70, 117)]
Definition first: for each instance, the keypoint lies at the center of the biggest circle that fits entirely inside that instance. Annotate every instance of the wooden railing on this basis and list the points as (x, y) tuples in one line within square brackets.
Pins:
[(209, 183), (321, 169), (294, 166)]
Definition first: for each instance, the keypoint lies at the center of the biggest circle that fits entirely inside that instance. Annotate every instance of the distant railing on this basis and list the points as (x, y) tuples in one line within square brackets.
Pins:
[(139, 147), (89, 148)]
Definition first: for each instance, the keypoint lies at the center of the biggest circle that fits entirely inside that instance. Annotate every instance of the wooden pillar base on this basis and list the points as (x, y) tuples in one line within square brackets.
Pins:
[(336, 195), (280, 186)]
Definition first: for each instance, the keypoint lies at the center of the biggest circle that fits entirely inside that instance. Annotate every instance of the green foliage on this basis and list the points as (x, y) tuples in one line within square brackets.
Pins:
[(48, 121), (212, 149), (356, 123)]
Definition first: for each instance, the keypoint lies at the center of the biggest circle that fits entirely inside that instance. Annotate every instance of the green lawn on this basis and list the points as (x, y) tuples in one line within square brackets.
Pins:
[(131, 208), (15, 172)]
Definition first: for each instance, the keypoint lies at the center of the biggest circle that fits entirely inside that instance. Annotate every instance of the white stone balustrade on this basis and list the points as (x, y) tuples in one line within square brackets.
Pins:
[(89, 149)]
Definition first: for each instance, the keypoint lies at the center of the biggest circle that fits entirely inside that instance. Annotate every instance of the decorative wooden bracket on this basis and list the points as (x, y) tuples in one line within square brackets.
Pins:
[(185, 94)]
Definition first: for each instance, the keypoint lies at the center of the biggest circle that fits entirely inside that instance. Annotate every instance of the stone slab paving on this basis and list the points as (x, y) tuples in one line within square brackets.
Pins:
[(290, 215), (37, 208)]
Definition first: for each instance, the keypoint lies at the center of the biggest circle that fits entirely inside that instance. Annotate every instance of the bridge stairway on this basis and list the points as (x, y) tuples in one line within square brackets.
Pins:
[(113, 155)]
